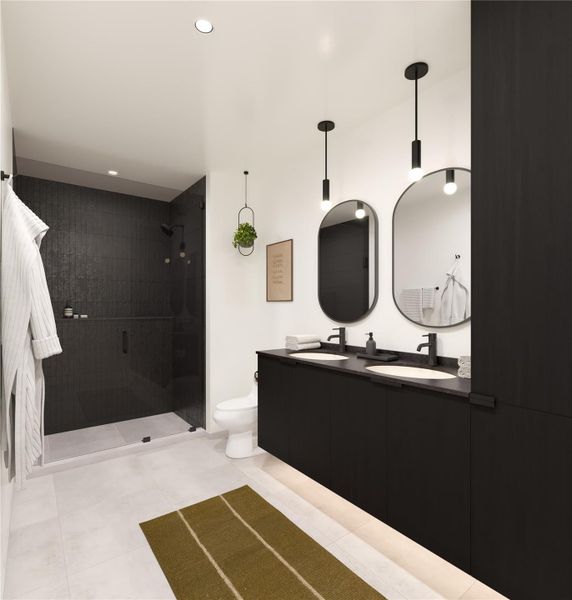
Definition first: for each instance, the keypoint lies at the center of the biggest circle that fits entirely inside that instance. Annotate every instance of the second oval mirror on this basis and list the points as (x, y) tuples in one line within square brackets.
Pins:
[(432, 249), (347, 261)]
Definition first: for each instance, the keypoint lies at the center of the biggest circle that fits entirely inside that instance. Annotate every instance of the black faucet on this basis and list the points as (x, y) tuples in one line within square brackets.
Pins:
[(432, 345), (341, 336)]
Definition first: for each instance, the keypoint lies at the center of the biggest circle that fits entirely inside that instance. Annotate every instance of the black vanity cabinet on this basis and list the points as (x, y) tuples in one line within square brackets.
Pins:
[(276, 388), (358, 443), (294, 416), (308, 417), (428, 470), (329, 426), (399, 453)]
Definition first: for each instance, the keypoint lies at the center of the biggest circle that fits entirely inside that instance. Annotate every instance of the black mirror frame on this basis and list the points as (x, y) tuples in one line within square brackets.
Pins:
[(393, 250), (376, 251)]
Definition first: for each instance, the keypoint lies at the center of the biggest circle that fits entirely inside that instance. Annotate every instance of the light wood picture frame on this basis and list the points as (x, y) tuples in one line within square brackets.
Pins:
[(280, 271)]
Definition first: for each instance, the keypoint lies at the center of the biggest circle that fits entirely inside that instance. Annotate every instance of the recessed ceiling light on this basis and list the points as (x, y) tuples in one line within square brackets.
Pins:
[(204, 26), (112, 172)]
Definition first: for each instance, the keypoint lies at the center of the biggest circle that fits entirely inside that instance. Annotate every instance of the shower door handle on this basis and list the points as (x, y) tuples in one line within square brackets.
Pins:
[(125, 340)]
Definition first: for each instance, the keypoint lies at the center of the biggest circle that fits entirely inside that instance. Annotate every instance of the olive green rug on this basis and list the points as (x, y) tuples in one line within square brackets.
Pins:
[(239, 547)]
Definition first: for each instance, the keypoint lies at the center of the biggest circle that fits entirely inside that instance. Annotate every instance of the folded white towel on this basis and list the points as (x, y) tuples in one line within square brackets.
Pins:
[(464, 372), (309, 346), (303, 338), (464, 360)]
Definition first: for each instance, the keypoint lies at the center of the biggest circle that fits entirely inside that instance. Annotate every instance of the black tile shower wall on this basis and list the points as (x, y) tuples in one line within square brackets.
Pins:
[(104, 253), (188, 304)]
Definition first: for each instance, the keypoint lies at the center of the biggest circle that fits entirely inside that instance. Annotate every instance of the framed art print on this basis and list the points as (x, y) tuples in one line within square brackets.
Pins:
[(279, 271)]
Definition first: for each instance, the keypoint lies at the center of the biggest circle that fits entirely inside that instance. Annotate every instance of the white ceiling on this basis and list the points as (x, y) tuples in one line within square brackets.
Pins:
[(132, 86)]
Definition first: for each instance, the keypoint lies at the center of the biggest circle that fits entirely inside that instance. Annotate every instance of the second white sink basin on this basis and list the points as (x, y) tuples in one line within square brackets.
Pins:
[(319, 356), (410, 372)]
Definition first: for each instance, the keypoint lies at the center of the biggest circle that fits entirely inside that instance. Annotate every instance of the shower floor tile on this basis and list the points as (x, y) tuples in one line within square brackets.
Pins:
[(69, 444)]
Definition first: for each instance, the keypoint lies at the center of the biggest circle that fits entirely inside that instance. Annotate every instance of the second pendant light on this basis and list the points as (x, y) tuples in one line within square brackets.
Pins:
[(326, 126), (415, 72)]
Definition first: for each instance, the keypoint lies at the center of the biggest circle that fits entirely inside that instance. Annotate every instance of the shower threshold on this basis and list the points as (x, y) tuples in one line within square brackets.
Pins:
[(79, 442)]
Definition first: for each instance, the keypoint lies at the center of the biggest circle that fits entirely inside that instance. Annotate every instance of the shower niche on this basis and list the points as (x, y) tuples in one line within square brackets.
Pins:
[(132, 370)]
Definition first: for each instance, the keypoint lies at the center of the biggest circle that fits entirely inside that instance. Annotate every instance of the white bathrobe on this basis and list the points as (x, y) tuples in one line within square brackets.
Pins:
[(455, 297), (28, 329)]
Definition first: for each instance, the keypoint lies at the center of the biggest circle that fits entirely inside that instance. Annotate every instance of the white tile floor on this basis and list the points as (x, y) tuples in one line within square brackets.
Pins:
[(70, 444), (75, 533)]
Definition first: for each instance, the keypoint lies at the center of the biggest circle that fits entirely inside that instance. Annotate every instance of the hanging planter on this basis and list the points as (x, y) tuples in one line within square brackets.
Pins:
[(245, 233), (244, 236)]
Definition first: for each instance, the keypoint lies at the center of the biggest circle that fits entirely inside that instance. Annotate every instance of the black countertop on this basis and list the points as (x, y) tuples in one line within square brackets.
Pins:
[(357, 366)]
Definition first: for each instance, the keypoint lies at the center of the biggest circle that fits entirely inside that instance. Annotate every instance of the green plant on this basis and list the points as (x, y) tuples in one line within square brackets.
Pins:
[(244, 236)]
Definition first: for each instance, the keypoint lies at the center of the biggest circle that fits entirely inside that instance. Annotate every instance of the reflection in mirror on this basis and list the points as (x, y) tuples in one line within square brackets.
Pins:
[(347, 261), (432, 249)]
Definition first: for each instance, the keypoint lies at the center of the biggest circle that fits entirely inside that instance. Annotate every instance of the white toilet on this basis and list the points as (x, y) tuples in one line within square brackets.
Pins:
[(239, 417)]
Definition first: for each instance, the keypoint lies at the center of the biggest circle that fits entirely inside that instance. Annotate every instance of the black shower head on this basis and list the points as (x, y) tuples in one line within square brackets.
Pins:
[(167, 229)]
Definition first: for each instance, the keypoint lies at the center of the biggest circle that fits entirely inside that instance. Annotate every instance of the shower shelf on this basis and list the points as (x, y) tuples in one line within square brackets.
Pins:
[(59, 319)]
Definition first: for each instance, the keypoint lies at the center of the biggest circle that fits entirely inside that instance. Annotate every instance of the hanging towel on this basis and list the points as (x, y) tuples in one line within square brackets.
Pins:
[(428, 298), (455, 296), (410, 303), (28, 328)]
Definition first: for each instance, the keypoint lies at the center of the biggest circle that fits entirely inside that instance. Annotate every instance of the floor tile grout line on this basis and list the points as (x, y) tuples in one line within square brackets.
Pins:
[(64, 553)]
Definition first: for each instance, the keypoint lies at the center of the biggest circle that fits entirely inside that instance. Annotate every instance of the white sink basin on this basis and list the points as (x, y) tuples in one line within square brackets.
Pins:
[(410, 372), (318, 356)]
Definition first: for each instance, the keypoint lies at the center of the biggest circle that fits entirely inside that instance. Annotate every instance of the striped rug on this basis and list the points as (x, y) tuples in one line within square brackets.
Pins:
[(238, 547)]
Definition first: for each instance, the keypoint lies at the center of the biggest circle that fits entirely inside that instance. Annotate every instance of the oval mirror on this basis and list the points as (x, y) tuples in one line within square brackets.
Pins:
[(432, 249), (347, 261)]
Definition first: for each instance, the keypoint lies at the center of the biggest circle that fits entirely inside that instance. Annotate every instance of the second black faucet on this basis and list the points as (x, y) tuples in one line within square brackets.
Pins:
[(341, 336), (431, 344)]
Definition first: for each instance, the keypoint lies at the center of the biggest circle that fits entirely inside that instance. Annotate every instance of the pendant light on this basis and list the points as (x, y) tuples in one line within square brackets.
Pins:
[(326, 126), (415, 72), (450, 186), (360, 210)]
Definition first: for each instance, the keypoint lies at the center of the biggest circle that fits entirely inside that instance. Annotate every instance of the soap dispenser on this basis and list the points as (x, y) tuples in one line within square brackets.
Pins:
[(370, 347)]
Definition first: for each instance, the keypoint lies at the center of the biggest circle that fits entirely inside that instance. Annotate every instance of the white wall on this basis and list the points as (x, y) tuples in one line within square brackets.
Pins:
[(368, 163), (6, 164)]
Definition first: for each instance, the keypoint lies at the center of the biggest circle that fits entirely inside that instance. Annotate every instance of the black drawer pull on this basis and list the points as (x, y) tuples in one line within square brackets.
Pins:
[(125, 341), (482, 400)]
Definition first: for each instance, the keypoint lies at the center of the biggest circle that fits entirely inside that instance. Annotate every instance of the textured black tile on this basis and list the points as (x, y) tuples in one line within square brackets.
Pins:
[(105, 253)]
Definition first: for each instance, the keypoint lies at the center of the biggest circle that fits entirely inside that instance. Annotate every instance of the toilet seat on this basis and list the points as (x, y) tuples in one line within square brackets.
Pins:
[(244, 403)]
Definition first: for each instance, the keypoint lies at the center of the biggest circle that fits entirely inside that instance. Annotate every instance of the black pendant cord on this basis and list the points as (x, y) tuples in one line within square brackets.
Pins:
[(326, 154), (416, 107)]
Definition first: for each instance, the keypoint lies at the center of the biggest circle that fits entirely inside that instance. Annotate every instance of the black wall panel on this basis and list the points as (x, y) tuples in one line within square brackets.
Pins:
[(521, 209), (521, 470)]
